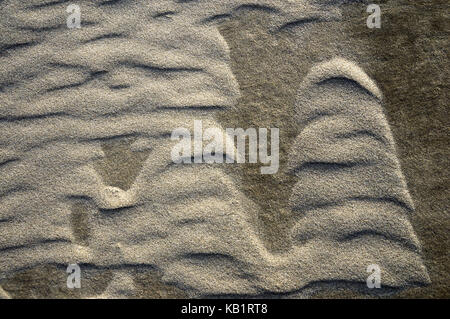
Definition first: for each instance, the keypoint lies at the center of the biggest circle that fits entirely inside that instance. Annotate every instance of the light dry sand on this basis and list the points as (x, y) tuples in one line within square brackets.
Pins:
[(127, 78)]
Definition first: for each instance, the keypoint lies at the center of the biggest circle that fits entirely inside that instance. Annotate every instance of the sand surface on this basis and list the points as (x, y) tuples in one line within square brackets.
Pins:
[(86, 173)]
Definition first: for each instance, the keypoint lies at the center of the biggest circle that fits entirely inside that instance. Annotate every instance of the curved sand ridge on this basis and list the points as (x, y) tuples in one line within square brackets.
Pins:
[(141, 70)]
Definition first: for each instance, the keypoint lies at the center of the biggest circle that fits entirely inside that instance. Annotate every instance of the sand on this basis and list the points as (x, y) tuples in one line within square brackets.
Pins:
[(131, 75)]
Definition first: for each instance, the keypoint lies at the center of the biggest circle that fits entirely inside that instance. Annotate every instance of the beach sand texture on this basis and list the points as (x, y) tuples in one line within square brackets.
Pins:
[(126, 79)]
